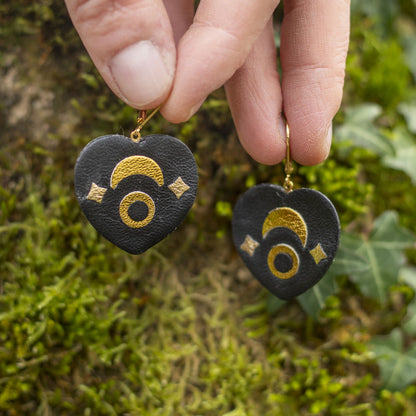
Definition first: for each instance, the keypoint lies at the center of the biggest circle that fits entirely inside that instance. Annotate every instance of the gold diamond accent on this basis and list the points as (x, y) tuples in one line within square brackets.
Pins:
[(96, 193), (179, 187), (318, 253), (249, 245)]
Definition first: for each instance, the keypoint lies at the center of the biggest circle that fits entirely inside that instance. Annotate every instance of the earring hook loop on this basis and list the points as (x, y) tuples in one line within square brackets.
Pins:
[(142, 119), (288, 184)]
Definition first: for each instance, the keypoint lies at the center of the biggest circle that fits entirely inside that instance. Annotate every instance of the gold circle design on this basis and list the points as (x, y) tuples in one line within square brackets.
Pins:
[(283, 248), (130, 199)]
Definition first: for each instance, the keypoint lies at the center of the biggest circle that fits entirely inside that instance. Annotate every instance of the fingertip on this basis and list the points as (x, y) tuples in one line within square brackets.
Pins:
[(212, 50), (269, 158), (142, 74), (266, 144), (179, 114), (131, 43), (311, 149)]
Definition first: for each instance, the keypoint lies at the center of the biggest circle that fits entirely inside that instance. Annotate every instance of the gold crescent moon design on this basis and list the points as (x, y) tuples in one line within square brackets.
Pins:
[(130, 199), (288, 218), (136, 165), (283, 249)]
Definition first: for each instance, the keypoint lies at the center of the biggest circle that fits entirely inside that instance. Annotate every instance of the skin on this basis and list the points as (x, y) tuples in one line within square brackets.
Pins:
[(154, 52)]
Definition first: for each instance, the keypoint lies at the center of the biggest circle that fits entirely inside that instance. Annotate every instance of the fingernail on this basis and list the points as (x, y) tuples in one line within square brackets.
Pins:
[(282, 128), (141, 74), (329, 134), (328, 141), (195, 108)]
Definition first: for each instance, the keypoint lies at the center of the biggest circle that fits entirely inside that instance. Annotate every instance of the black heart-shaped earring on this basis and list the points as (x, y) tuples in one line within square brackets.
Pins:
[(136, 190), (287, 238)]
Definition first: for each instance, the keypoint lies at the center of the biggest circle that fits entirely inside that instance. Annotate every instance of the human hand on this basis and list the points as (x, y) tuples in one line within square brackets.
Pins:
[(151, 52)]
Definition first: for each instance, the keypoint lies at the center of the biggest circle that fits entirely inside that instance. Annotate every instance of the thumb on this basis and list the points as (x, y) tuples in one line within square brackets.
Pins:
[(131, 44)]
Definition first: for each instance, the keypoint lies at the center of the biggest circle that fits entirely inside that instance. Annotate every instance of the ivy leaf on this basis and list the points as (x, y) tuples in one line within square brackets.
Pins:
[(384, 253), (410, 321), (314, 299), (365, 113), (408, 276), (405, 153), (409, 43), (397, 367), (408, 111), (359, 129), (347, 260), (373, 264), (382, 13), (274, 304)]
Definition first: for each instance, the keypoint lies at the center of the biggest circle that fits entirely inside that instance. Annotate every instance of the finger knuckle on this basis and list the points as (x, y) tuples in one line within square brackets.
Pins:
[(99, 11)]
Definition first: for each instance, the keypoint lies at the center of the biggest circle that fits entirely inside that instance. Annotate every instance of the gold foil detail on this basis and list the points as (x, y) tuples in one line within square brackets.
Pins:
[(179, 187), (287, 218), (96, 193), (130, 199), (279, 249), (136, 165), (318, 254), (249, 245)]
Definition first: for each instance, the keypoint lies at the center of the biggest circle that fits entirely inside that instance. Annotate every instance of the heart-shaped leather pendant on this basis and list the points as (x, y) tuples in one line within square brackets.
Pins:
[(287, 240), (136, 192)]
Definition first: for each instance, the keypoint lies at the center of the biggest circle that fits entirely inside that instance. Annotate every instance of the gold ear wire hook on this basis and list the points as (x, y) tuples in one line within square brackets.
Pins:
[(142, 119), (288, 184)]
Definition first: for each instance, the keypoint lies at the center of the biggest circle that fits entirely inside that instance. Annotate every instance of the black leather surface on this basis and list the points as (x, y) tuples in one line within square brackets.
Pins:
[(96, 164), (322, 223)]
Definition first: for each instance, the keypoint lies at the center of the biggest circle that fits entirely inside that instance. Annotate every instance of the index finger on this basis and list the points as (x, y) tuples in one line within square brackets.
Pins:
[(215, 46), (314, 45), (131, 43)]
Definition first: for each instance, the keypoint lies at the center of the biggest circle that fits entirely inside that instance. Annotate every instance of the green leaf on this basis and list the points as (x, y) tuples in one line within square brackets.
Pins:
[(314, 299), (404, 156), (397, 367), (365, 113), (384, 253), (359, 129), (409, 43), (375, 7), (408, 276), (346, 261), (381, 12), (408, 111), (388, 234), (274, 304), (410, 321)]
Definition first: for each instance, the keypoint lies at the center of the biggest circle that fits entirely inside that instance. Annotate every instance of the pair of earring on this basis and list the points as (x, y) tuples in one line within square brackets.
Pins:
[(135, 191)]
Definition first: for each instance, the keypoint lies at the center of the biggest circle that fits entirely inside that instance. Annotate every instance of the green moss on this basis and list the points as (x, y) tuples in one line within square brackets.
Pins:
[(377, 70), (183, 329)]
